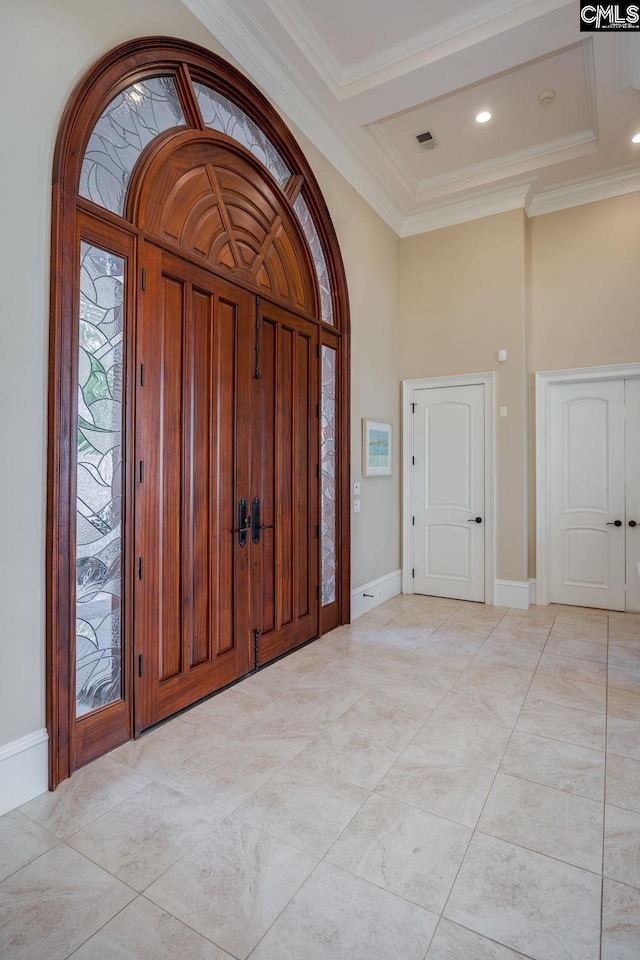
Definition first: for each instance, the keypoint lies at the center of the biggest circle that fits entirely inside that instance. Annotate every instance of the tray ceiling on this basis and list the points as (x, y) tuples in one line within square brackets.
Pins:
[(361, 78)]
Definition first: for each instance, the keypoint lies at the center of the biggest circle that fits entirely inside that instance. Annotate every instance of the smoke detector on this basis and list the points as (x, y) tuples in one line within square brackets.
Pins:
[(426, 140), (547, 96)]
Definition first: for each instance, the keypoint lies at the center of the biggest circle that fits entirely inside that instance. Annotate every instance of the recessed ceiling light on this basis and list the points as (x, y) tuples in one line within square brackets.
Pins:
[(483, 117), (636, 139)]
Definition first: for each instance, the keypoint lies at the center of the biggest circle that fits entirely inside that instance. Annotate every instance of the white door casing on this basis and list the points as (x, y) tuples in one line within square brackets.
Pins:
[(632, 431), (587, 472), (448, 492)]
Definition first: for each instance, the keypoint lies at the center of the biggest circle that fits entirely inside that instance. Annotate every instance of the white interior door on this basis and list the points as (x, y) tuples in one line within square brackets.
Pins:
[(448, 492), (587, 494), (632, 407)]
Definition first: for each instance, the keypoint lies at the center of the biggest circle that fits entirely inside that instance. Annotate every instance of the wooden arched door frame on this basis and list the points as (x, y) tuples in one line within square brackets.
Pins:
[(129, 64)]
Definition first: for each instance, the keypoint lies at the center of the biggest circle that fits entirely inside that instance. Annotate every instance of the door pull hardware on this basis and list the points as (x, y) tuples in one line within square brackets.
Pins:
[(475, 520), (140, 569), (244, 523), (255, 521), (632, 523), (256, 649), (615, 523), (257, 374), (140, 665), (142, 374), (413, 407), (142, 471), (369, 595), (144, 278)]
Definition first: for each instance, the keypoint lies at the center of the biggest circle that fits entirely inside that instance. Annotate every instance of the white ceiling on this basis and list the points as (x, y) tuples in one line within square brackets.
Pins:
[(361, 78)]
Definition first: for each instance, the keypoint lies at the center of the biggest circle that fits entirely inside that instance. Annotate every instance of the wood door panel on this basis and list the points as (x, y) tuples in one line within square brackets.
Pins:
[(213, 202), (285, 441), (192, 623)]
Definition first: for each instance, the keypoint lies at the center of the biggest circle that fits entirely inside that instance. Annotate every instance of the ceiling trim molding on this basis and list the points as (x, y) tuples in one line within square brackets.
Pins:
[(628, 63), (585, 190), (480, 22), (487, 204), (256, 53)]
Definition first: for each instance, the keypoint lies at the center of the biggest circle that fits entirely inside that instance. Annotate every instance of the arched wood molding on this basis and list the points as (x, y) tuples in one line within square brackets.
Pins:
[(129, 63)]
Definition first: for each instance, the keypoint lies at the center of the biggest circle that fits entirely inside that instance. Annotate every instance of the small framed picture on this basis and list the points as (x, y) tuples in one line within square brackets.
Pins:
[(376, 448)]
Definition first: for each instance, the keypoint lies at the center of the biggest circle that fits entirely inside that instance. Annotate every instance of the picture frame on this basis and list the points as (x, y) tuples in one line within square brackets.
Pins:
[(377, 446)]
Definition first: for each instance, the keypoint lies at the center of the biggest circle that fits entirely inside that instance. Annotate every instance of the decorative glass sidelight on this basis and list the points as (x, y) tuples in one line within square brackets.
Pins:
[(304, 216), (221, 114), (99, 481), (130, 122), (328, 474)]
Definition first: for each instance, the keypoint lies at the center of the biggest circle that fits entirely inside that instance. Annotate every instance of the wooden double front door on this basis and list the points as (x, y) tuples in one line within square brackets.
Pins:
[(227, 566)]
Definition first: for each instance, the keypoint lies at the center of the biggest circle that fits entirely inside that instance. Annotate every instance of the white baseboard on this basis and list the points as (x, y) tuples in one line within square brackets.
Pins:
[(512, 593), (532, 592), (380, 590), (24, 765)]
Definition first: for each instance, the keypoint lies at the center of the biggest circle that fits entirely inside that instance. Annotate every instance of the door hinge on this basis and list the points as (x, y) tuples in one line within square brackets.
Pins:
[(140, 569), (413, 521), (142, 374), (318, 473), (256, 648), (143, 283), (319, 593), (318, 411), (318, 532), (319, 351), (140, 665), (413, 461), (413, 407), (142, 471), (413, 572)]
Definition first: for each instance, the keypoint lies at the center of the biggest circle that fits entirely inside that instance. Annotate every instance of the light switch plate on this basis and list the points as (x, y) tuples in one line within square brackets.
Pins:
[(356, 489), (356, 506)]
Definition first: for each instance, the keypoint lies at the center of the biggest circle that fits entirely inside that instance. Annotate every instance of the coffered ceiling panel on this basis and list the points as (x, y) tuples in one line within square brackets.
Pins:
[(361, 78)]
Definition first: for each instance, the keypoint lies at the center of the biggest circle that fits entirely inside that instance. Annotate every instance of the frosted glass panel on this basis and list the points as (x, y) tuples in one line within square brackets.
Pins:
[(227, 117), (99, 481), (328, 474), (310, 232), (130, 122)]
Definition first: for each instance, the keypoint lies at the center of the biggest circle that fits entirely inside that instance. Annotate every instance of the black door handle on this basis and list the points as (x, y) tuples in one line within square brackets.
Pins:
[(244, 522), (255, 521), (615, 523), (475, 520), (632, 523)]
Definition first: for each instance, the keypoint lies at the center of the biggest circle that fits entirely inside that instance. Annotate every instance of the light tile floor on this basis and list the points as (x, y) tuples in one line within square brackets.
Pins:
[(439, 780)]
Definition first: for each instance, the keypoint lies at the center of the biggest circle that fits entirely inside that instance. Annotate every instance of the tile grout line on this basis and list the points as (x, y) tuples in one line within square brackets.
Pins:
[(475, 828)]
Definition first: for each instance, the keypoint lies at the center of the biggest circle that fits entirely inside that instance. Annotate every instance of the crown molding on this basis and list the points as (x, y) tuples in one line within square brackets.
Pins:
[(479, 22), (628, 63), (256, 53), (514, 197), (538, 151), (585, 190)]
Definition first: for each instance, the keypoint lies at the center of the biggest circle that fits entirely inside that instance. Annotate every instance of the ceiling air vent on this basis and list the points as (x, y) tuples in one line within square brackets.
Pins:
[(426, 140)]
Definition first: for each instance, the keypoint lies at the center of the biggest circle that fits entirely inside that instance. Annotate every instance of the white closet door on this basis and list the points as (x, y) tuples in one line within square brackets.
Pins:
[(632, 405), (448, 497), (587, 494)]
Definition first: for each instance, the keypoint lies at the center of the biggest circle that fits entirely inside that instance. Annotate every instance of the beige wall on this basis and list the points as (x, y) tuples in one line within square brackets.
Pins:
[(584, 296), (557, 291), (45, 47), (462, 301)]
